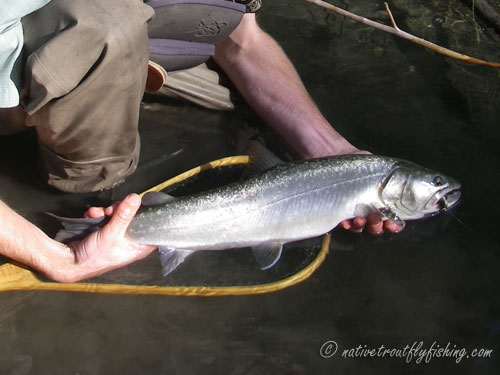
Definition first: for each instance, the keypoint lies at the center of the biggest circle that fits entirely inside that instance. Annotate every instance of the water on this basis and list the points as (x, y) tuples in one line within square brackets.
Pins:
[(434, 282)]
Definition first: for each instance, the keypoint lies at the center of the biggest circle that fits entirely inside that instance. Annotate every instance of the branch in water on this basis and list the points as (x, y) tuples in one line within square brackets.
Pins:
[(403, 34), (489, 10)]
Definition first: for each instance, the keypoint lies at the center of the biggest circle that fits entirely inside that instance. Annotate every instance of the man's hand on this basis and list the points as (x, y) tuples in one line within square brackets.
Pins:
[(99, 252), (373, 222), (108, 248)]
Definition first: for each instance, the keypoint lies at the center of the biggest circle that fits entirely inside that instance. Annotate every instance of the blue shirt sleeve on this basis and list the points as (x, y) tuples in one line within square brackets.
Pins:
[(11, 44)]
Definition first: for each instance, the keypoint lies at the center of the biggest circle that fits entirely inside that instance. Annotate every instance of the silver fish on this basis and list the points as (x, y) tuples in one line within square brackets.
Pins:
[(289, 202)]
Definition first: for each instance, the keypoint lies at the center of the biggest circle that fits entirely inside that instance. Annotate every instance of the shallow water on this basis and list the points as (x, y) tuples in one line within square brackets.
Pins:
[(437, 281)]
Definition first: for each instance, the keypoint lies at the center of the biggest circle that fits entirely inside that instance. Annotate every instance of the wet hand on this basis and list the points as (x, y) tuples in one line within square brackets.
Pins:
[(109, 248), (373, 223)]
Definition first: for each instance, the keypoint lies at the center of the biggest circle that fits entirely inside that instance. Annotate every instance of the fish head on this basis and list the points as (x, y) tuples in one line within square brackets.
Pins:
[(413, 192)]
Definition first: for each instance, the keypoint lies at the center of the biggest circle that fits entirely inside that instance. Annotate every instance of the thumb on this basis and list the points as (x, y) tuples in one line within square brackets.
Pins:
[(122, 216)]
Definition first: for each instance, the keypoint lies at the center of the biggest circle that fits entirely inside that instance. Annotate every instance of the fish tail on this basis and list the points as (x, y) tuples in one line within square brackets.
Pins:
[(77, 228)]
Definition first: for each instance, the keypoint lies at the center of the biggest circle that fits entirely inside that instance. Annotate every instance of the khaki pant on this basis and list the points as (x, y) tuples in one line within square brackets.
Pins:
[(85, 71)]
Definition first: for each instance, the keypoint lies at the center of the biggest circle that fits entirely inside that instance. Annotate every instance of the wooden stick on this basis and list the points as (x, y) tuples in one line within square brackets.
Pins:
[(403, 34), (391, 17)]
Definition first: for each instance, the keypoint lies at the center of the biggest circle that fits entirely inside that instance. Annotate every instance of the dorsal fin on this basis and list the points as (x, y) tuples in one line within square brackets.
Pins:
[(261, 158)]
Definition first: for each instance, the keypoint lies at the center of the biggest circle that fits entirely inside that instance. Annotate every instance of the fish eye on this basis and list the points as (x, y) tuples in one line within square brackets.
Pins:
[(438, 181)]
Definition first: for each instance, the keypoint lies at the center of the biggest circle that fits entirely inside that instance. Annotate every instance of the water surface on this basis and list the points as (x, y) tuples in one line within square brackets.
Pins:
[(437, 281)]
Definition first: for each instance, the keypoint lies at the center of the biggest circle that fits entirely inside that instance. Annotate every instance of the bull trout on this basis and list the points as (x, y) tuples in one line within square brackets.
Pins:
[(285, 202)]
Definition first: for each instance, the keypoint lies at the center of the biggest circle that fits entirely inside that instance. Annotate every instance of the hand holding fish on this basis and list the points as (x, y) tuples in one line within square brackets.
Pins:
[(373, 223), (108, 248), (104, 249)]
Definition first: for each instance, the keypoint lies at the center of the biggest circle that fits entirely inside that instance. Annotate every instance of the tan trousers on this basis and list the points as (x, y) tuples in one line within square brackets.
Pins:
[(85, 71)]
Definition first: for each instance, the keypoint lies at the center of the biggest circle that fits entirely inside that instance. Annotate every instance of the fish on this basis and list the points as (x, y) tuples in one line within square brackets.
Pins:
[(280, 202)]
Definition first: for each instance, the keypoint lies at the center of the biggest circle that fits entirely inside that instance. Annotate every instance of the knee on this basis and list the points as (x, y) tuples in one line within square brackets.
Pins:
[(121, 27)]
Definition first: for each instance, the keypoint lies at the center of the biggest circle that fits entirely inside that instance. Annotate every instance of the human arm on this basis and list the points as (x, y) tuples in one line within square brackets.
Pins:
[(267, 80), (99, 252)]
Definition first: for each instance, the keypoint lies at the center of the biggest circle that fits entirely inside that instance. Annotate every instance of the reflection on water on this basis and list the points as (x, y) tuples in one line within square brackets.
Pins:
[(435, 281)]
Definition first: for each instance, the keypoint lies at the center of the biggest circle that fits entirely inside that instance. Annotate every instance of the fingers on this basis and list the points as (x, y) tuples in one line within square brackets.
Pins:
[(122, 216), (392, 227), (109, 210), (358, 223), (346, 224), (374, 223), (94, 212), (355, 225)]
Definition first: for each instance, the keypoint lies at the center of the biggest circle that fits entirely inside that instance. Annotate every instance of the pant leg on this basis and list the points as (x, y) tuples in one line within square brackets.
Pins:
[(12, 120), (85, 75)]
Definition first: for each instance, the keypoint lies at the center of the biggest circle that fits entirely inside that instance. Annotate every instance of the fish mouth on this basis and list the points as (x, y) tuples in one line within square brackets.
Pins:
[(444, 200)]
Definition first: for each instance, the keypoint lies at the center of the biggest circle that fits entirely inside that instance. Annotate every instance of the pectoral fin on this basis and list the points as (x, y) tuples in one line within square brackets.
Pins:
[(267, 255), (156, 198), (171, 258), (389, 214)]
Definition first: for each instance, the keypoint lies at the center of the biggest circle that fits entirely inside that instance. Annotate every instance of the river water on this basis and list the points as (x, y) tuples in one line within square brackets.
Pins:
[(435, 285)]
